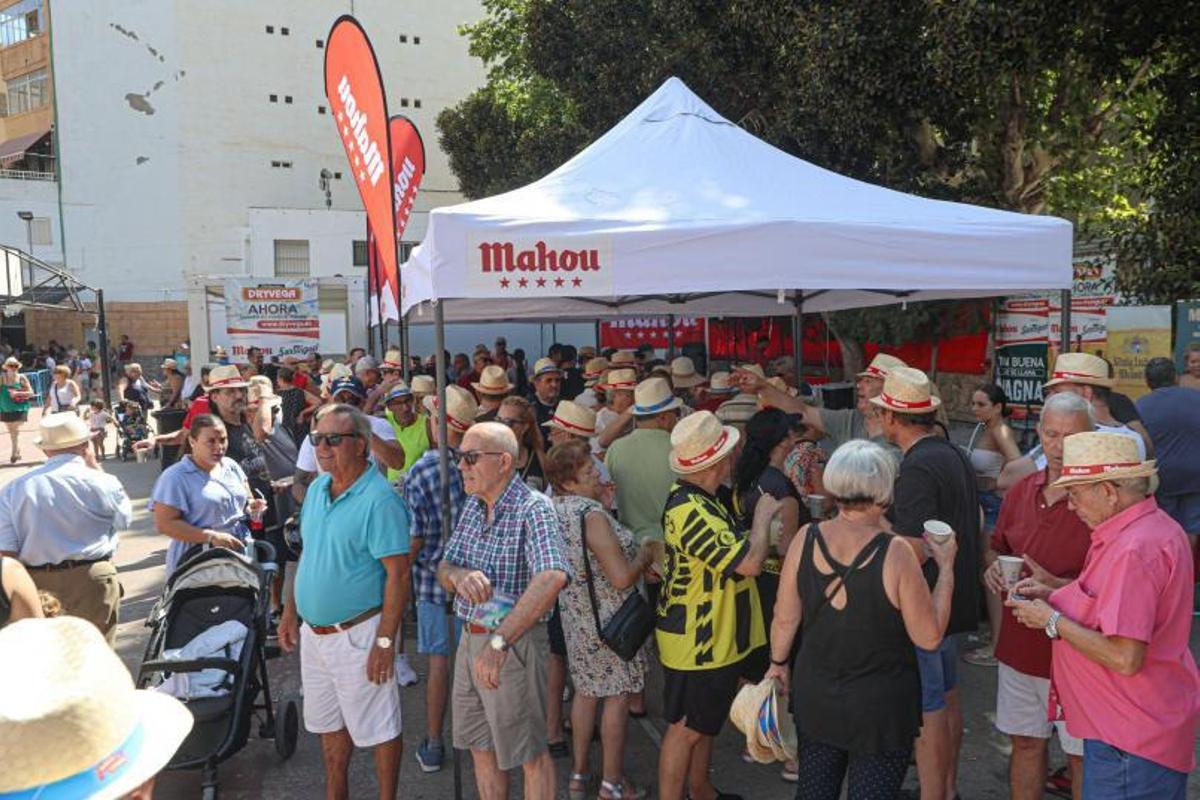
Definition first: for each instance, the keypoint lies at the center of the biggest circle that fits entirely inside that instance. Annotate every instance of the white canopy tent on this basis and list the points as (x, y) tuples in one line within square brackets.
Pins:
[(678, 210)]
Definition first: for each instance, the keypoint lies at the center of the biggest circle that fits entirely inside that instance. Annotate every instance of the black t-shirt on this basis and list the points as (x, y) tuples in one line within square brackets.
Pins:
[(250, 456), (543, 413), (1122, 408), (936, 482), (774, 482), (573, 383)]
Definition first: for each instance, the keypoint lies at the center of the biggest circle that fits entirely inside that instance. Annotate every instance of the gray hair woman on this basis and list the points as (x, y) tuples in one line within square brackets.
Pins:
[(861, 708), (1125, 678)]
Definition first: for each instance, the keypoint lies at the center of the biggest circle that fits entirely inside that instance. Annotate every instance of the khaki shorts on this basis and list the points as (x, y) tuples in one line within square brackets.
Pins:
[(509, 721), (1021, 709), (90, 591)]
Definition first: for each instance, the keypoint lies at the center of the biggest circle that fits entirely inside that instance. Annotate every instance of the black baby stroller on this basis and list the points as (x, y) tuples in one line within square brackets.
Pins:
[(213, 589), (132, 428)]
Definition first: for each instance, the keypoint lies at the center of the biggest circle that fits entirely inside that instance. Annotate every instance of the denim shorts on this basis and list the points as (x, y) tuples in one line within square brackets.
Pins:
[(1112, 774), (939, 674), (432, 638)]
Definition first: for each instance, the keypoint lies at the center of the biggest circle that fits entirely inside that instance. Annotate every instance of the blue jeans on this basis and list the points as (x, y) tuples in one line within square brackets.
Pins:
[(939, 674), (1112, 774)]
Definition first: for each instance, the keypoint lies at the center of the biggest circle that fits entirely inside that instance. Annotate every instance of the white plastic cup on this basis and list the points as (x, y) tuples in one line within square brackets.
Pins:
[(1010, 568), (939, 531)]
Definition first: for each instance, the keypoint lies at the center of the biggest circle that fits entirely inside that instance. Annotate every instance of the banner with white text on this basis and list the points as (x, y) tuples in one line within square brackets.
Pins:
[(280, 316)]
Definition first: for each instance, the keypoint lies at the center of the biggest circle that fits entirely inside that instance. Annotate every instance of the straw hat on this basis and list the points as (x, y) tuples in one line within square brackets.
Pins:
[(493, 380), (460, 409), (754, 369), (698, 441), (720, 383), (71, 723), (880, 366), (226, 376), (594, 370), (744, 715), (683, 373), (12, 361), (1092, 457), (623, 358), (1082, 368), (262, 391), (62, 430), (423, 385), (907, 391), (620, 379), (654, 396), (587, 352), (574, 419), (392, 360), (545, 366)]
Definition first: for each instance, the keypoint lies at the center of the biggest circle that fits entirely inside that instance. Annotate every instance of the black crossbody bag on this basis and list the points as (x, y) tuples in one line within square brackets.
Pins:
[(631, 625)]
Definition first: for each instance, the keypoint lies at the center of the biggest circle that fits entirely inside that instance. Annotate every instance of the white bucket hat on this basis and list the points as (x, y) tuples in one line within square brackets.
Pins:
[(907, 391), (1082, 368), (880, 366), (493, 380), (683, 373), (71, 723), (654, 396), (698, 441), (1094, 456), (460, 409), (62, 430), (423, 384), (574, 419)]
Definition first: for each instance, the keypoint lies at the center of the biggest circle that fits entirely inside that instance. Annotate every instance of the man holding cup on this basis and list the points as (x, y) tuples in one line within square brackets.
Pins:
[(1036, 529)]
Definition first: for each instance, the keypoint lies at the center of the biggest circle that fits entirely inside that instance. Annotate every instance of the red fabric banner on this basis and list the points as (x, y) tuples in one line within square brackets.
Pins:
[(354, 87), (408, 167), (629, 333)]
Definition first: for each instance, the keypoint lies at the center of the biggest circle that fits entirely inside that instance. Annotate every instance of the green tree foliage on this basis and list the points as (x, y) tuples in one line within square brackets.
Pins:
[(1082, 109)]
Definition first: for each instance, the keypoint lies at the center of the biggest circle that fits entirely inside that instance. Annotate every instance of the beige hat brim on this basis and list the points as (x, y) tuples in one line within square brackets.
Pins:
[(479, 387), (429, 402), (167, 722), (935, 403), (732, 437), (1146, 469), (671, 406), (40, 441), (744, 715), (1082, 381), (554, 424), (687, 381)]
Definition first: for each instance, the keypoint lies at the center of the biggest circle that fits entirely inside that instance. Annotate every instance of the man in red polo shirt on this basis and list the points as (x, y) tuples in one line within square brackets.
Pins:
[(1036, 523)]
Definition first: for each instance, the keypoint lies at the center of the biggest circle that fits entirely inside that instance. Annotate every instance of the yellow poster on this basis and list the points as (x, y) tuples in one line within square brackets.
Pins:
[(1136, 334)]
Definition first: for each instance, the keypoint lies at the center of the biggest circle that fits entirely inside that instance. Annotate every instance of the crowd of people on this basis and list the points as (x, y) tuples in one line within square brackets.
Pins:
[(613, 516)]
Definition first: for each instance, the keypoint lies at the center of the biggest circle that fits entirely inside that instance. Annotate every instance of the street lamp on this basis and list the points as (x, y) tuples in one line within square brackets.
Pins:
[(28, 217)]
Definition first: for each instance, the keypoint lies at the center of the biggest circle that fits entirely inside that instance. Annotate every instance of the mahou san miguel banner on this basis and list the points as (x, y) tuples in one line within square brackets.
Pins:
[(408, 167), (355, 90), (655, 331)]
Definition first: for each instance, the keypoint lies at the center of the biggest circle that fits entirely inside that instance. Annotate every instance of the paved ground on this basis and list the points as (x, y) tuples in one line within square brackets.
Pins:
[(257, 772)]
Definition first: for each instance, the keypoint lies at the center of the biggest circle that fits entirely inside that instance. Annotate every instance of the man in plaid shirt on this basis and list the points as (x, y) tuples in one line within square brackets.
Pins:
[(507, 542), (423, 494)]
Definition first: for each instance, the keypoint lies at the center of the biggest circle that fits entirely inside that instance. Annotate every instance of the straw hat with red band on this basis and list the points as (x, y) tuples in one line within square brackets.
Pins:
[(574, 419), (1094, 456), (594, 370), (460, 410), (620, 379), (623, 358), (1082, 368), (226, 376), (880, 366), (493, 380), (654, 396), (907, 391), (699, 441), (392, 360)]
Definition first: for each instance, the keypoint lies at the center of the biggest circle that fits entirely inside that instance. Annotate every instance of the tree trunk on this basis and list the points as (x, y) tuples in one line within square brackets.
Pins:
[(853, 355)]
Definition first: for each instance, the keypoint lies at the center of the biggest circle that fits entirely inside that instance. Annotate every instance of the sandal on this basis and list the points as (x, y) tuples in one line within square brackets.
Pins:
[(981, 657), (584, 781), (626, 790)]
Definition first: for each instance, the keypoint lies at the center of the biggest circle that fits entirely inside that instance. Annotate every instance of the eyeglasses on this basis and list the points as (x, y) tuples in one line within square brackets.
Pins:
[(511, 422), (471, 457), (331, 439)]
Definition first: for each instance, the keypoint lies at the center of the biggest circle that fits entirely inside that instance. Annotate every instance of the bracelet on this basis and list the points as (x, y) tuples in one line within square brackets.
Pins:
[(782, 663)]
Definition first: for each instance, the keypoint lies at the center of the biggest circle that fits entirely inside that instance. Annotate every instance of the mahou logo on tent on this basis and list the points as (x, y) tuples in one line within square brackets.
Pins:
[(563, 266)]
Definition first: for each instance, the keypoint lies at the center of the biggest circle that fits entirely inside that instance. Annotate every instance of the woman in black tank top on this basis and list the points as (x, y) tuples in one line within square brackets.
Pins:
[(855, 596)]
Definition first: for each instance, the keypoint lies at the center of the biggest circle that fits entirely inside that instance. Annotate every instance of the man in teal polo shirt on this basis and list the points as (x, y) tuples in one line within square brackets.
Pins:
[(352, 585)]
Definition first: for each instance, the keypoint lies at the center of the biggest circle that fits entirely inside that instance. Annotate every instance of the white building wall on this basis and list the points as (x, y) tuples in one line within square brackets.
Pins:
[(39, 198), (167, 133)]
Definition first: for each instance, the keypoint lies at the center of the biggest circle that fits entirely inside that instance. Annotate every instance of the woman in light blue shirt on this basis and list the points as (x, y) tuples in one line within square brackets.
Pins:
[(202, 499)]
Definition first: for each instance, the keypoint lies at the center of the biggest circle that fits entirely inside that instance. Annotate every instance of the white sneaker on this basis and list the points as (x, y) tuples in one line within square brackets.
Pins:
[(405, 674)]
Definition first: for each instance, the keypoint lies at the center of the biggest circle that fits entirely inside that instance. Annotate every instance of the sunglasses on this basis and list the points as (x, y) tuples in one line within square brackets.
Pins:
[(331, 439), (471, 457)]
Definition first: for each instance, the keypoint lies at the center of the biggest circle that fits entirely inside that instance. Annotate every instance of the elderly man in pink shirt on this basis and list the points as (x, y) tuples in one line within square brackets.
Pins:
[(1121, 669)]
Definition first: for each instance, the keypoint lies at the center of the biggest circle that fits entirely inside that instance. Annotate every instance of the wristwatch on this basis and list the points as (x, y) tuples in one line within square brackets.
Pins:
[(383, 642), (497, 642), (1052, 625)]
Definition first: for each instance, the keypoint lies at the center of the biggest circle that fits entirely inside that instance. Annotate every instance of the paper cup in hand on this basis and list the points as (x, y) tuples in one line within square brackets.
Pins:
[(1010, 568), (938, 531)]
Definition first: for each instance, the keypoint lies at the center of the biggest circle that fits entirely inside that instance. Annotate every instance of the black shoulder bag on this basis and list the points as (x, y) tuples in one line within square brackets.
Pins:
[(631, 625)]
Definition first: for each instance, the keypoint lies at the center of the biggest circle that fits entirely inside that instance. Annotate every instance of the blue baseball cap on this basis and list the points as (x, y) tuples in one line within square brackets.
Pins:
[(397, 392), (352, 385)]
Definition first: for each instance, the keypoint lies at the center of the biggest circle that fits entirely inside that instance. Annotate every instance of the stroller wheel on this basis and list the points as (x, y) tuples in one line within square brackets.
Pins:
[(287, 726)]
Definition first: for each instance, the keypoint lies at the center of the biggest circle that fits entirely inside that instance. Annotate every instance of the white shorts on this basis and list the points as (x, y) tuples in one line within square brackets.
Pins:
[(337, 694), (1021, 704)]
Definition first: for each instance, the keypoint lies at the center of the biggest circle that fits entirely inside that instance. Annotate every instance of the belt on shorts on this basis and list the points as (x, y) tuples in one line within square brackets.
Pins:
[(471, 627), (70, 564), (325, 630)]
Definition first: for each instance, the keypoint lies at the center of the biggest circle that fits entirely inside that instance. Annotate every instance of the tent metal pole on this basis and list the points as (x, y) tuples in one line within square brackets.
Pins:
[(1066, 321), (670, 336), (599, 349), (102, 335), (798, 338), (444, 477)]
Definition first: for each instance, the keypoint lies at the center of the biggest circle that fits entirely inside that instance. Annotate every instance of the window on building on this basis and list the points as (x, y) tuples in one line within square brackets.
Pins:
[(284, 31), (403, 39), (287, 98), (320, 44), (320, 109), (291, 258), (404, 102), (416, 103), (337, 176), (416, 40), (40, 228), (359, 256), (27, 92), (406, 249), (274, 98), (270, 29), (20, 21)]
